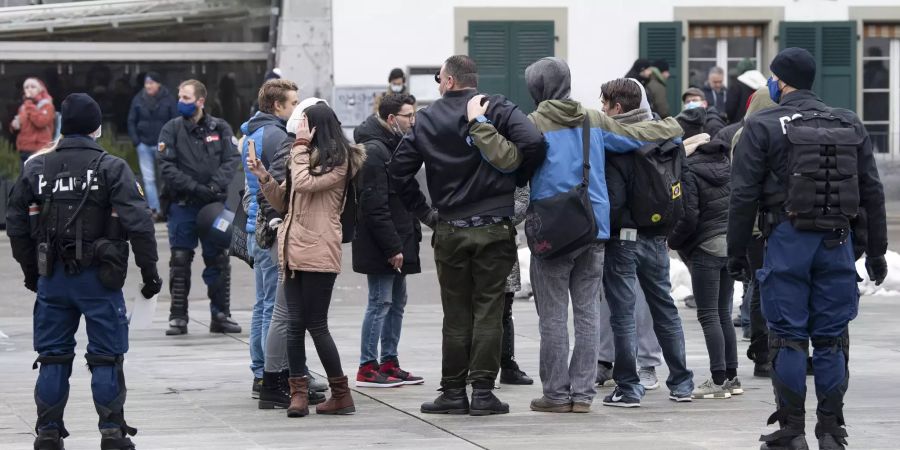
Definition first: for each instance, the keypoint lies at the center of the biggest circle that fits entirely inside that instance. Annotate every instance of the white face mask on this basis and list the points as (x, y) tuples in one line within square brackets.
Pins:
[(96, 135), (693, 104), (396, 88)]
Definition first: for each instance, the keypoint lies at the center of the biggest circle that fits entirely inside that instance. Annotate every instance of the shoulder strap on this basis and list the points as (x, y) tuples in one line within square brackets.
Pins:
[(586, 149), (347, 181)]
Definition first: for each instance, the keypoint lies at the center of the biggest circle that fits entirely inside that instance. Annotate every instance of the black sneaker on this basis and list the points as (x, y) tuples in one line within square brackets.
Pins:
[(222, 323), (514, 375), (485, 403), (274, 391), (48, 440), (254, 391), (604, 374), (619, 399), (451, 401)]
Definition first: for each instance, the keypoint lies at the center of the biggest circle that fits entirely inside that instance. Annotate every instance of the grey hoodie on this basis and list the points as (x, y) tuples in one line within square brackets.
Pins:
[(548, 79)]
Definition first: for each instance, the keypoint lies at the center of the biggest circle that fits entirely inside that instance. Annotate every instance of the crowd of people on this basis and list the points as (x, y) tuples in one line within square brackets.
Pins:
[(604, 195)]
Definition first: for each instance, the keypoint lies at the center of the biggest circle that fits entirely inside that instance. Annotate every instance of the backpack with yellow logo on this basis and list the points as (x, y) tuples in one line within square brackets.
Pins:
[(656, 190)]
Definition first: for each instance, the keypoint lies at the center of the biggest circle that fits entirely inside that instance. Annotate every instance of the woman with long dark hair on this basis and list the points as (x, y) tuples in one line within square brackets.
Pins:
[(312, 197)]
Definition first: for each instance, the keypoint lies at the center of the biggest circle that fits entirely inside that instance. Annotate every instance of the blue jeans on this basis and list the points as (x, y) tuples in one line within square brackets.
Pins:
[(645, 261), (384, 317), (147, 160), (182, 226), (266, 271)]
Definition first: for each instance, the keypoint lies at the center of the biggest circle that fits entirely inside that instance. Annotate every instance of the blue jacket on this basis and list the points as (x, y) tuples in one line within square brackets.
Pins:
[(561, 122), (148, 115), (268, 132)]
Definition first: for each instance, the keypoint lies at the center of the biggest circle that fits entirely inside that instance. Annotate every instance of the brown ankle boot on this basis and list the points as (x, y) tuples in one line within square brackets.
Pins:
[(299, 397), (340, 401)]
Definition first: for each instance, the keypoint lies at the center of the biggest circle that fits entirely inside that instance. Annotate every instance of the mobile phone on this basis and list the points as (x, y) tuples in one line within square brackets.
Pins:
[(251, 149)]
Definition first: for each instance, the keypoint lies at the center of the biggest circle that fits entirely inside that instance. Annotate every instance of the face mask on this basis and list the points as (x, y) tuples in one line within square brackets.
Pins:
[(693, 104), (396, 88), (396, 129), (187, 110), (774, 91)]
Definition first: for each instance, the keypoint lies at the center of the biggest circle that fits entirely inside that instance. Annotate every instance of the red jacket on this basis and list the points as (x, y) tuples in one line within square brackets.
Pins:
[(37, 122)]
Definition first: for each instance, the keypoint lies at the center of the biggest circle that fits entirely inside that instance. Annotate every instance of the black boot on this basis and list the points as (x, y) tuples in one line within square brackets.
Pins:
[(762, 370), (830, 429), (510, 372), (48, 440), (830, 432), (274, 391), (114, 439), (220, 296), (791, 413), (485, 403), (451, 401), (179, 289), (220, 323)]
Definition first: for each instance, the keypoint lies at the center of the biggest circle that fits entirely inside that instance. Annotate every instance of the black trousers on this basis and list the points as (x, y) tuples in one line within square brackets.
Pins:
[(308, 296)]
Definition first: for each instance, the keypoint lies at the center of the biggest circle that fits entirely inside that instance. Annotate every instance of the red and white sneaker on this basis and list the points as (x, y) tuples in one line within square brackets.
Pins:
[(392, 369), (369, 376)]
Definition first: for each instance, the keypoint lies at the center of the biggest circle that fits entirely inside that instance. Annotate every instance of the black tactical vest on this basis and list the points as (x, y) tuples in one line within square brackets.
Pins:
[(70, 221), (823, 184)]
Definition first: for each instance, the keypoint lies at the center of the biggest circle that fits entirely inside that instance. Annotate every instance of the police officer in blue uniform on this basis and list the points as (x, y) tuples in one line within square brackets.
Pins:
[(198, 158), (73, 251), (809, 171)]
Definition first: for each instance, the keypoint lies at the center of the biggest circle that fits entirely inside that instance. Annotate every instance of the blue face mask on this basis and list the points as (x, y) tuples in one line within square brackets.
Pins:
[(187, 110), (774, 91), (692, 105)]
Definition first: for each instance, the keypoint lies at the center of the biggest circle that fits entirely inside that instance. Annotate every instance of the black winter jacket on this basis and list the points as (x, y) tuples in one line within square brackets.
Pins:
[(760, 171), (147, 116), (706, 201), (384, 225), (461, 182)]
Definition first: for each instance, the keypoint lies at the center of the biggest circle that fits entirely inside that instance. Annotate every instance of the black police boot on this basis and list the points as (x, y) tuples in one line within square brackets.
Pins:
[(830, 432), (830, 429), (220, 296), (274, 391), (790, 417), (451, 401), (485, 403), (49, 440), (114, 439), (220, 323), (179, 288), (511, 374)]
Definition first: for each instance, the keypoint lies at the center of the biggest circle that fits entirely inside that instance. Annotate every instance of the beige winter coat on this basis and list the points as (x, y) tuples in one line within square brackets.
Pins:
[(309, 240)]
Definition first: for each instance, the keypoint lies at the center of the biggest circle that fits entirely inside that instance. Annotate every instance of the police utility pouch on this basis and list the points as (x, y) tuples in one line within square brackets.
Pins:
[(823, 181), (111, 259), (557, 225)]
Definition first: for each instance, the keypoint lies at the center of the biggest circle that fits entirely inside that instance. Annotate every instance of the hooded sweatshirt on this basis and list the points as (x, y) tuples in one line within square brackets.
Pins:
[(268, 133), (561, 120)]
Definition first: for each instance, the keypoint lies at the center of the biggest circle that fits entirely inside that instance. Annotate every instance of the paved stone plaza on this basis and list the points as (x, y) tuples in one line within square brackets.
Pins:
[(192, 392)]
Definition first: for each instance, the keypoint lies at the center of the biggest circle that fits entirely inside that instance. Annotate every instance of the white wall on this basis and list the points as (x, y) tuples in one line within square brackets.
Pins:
[(371, 37)]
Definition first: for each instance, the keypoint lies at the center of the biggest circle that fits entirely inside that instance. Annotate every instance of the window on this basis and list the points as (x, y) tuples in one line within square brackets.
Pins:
[(881, 86), (723, 46)]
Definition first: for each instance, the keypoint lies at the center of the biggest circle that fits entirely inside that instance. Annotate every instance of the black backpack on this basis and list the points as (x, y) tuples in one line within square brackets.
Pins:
[(656, 197)]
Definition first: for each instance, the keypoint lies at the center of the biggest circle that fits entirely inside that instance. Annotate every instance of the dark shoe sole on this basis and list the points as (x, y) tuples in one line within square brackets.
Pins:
[(553, 409), (316, 401), (176, 332), (517, 382), (303, 413), (265, 404), (218, 329), (367, 384), (338, 412), (459, 412), (486, 412), (622, 404)]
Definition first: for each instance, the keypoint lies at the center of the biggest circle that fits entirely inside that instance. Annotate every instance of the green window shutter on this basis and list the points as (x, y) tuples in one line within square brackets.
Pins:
[(833, 45), (662, 40), (489, 47), (531, 41), (503, 50)]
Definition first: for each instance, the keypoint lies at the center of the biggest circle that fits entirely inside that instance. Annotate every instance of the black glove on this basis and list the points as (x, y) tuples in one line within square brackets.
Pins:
[(152, 282), (739, 268), (206, 194), (430, 219), (31, 280), (877, 268)]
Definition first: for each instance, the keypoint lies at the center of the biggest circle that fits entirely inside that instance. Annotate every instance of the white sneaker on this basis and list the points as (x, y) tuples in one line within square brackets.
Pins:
[(733, 386)]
